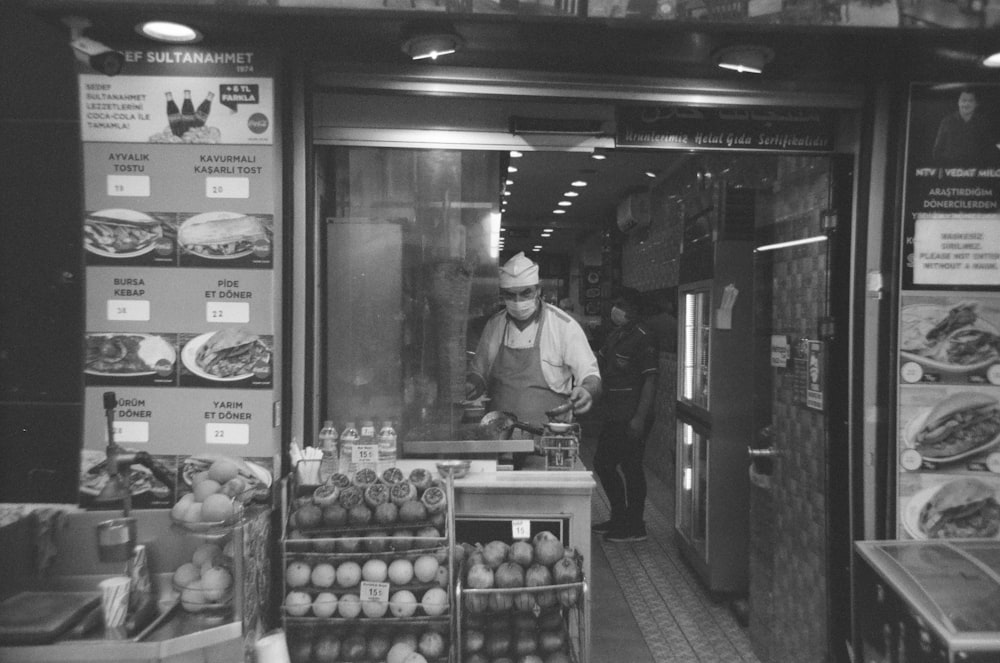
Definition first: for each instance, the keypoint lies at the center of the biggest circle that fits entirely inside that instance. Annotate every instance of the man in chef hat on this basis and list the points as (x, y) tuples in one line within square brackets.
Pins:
[(532, 356)]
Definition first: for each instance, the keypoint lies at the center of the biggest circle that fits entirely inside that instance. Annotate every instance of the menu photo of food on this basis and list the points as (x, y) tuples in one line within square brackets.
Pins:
[(230, 357), (949, 339), (950, 428), (949, 507), (226, 239), (146, 490), (117, 358), (129, 237)]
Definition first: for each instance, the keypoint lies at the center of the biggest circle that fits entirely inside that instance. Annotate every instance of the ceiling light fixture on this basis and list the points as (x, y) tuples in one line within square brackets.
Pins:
[(652, 174), (579, 183), (514, 154), (429, 40), (745, 59), (558, 211), (571, 194), (169, 32), (511, 169), (992, 61), (564, 203)]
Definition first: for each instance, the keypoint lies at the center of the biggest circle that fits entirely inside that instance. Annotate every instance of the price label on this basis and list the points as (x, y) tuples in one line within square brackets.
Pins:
[(130, 431), (227, 187), (129, 186), (224, 312), (364, 453), (227, 434), (374, 591), (520, 529), (128, 309)]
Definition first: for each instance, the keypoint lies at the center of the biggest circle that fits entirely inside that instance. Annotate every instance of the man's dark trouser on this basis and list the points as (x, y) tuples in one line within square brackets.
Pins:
[(616, 448)]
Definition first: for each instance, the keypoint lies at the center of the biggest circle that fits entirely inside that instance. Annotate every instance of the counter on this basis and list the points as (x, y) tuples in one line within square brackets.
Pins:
[(75, 567), (531, 493)]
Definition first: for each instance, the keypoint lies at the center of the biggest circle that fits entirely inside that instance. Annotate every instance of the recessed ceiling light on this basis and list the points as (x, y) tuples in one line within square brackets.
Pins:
[(511, 169), (558, 211), (514, 154), (652, 174), (168, 31), (546, 230), (565, 203), (509, 182), (545, 235), (600, 156), (571, 194), (506, 193), (429, 40), (579, 183), (992, 60)]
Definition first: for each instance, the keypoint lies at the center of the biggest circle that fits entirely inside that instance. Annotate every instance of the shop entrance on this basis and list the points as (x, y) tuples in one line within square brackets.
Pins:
[(797, 543)]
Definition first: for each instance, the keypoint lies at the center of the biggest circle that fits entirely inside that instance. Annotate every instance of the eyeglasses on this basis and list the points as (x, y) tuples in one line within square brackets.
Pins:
[(519, 295)]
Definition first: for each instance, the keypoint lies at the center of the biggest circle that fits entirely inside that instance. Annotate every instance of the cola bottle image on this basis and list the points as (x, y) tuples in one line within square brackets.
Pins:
[(187, 111), (204, 108), (174, 116)]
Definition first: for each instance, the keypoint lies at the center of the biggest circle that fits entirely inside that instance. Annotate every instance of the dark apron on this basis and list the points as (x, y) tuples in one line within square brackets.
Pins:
[(516, 382)]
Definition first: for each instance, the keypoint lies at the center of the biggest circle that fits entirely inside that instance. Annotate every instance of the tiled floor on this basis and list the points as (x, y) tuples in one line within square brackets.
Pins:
[(647, 603)]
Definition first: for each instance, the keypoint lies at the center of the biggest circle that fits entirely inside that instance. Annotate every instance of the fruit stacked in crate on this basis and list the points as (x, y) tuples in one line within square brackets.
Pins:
[(518, 600), (368, 569)]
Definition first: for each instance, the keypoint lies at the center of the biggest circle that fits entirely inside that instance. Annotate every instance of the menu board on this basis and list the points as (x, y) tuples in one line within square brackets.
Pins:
[(181, 234), (948, 418)]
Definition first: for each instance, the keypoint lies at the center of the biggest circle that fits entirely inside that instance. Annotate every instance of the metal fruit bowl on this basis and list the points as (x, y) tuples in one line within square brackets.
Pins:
[(454, 468)]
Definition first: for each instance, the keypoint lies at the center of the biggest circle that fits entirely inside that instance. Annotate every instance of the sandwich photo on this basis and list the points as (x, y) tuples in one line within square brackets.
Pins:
[(228, 354), (120, 233), (963, 424), (955, 338), (962, 508), (221, 234)]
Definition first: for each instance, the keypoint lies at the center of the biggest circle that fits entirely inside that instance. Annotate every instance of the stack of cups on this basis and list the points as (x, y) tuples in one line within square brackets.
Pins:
[(114, 600)]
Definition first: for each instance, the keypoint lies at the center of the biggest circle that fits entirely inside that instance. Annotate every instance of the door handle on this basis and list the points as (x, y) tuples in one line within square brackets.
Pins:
[(766, 452)]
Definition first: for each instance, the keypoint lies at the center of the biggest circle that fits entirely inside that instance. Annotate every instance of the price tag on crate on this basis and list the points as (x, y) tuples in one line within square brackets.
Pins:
[(520, 529), (374, 591), (364, 453)]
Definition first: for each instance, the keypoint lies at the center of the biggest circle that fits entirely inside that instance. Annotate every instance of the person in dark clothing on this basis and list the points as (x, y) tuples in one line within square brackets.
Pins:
[(629, 362), (965, 137)]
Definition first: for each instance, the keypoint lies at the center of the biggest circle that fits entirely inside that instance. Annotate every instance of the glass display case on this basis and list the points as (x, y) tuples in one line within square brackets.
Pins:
[(714, 414)]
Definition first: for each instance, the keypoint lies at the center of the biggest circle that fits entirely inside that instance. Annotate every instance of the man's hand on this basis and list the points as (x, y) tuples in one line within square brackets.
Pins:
[(581, 399)]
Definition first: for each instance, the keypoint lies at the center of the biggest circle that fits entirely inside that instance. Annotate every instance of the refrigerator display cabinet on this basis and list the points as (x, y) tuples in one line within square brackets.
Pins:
[(714, 417), (928, 601)]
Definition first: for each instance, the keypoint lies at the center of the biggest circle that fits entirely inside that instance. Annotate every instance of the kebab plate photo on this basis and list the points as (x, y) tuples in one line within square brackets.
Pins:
[(962, 508), (952, 339), (964, 424), (120, 233), (228, 354), (128, 354), (221, 234)]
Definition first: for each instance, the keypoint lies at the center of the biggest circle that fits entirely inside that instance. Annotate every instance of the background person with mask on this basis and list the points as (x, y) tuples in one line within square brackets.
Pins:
[(629, 362), (532, 357)]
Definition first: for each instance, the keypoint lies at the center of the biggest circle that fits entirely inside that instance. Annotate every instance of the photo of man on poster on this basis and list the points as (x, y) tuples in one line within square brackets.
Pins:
[(966, 136)]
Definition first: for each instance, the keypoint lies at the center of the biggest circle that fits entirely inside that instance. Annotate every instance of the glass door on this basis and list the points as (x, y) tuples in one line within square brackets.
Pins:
[(692, 478), (695, 316)]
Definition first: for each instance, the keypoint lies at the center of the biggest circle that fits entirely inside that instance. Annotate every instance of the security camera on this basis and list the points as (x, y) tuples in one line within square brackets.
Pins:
[(101, 58)]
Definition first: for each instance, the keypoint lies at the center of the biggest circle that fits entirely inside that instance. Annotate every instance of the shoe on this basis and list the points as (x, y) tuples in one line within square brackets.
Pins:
[(626, 534), (603, 528)]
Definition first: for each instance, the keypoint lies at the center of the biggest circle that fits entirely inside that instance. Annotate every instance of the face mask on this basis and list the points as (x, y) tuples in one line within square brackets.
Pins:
[(618, 316), (521, 310)]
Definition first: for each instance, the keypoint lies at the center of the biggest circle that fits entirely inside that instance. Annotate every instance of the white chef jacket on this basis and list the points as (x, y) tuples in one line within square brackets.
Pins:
[(565, 352)]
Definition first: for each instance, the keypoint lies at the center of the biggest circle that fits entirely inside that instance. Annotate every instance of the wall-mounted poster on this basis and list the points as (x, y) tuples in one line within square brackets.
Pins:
[(951, 217)]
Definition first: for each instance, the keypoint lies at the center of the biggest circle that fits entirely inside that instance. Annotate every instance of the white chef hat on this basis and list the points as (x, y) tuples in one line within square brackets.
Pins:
[(518, 272)]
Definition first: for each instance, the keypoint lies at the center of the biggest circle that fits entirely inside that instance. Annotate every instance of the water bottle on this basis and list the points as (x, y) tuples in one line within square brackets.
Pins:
[(348, 438), (330, 464), (387, 445)]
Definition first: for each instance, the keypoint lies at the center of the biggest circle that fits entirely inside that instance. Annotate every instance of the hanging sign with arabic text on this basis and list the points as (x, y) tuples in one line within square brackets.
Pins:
[(688, 127)]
